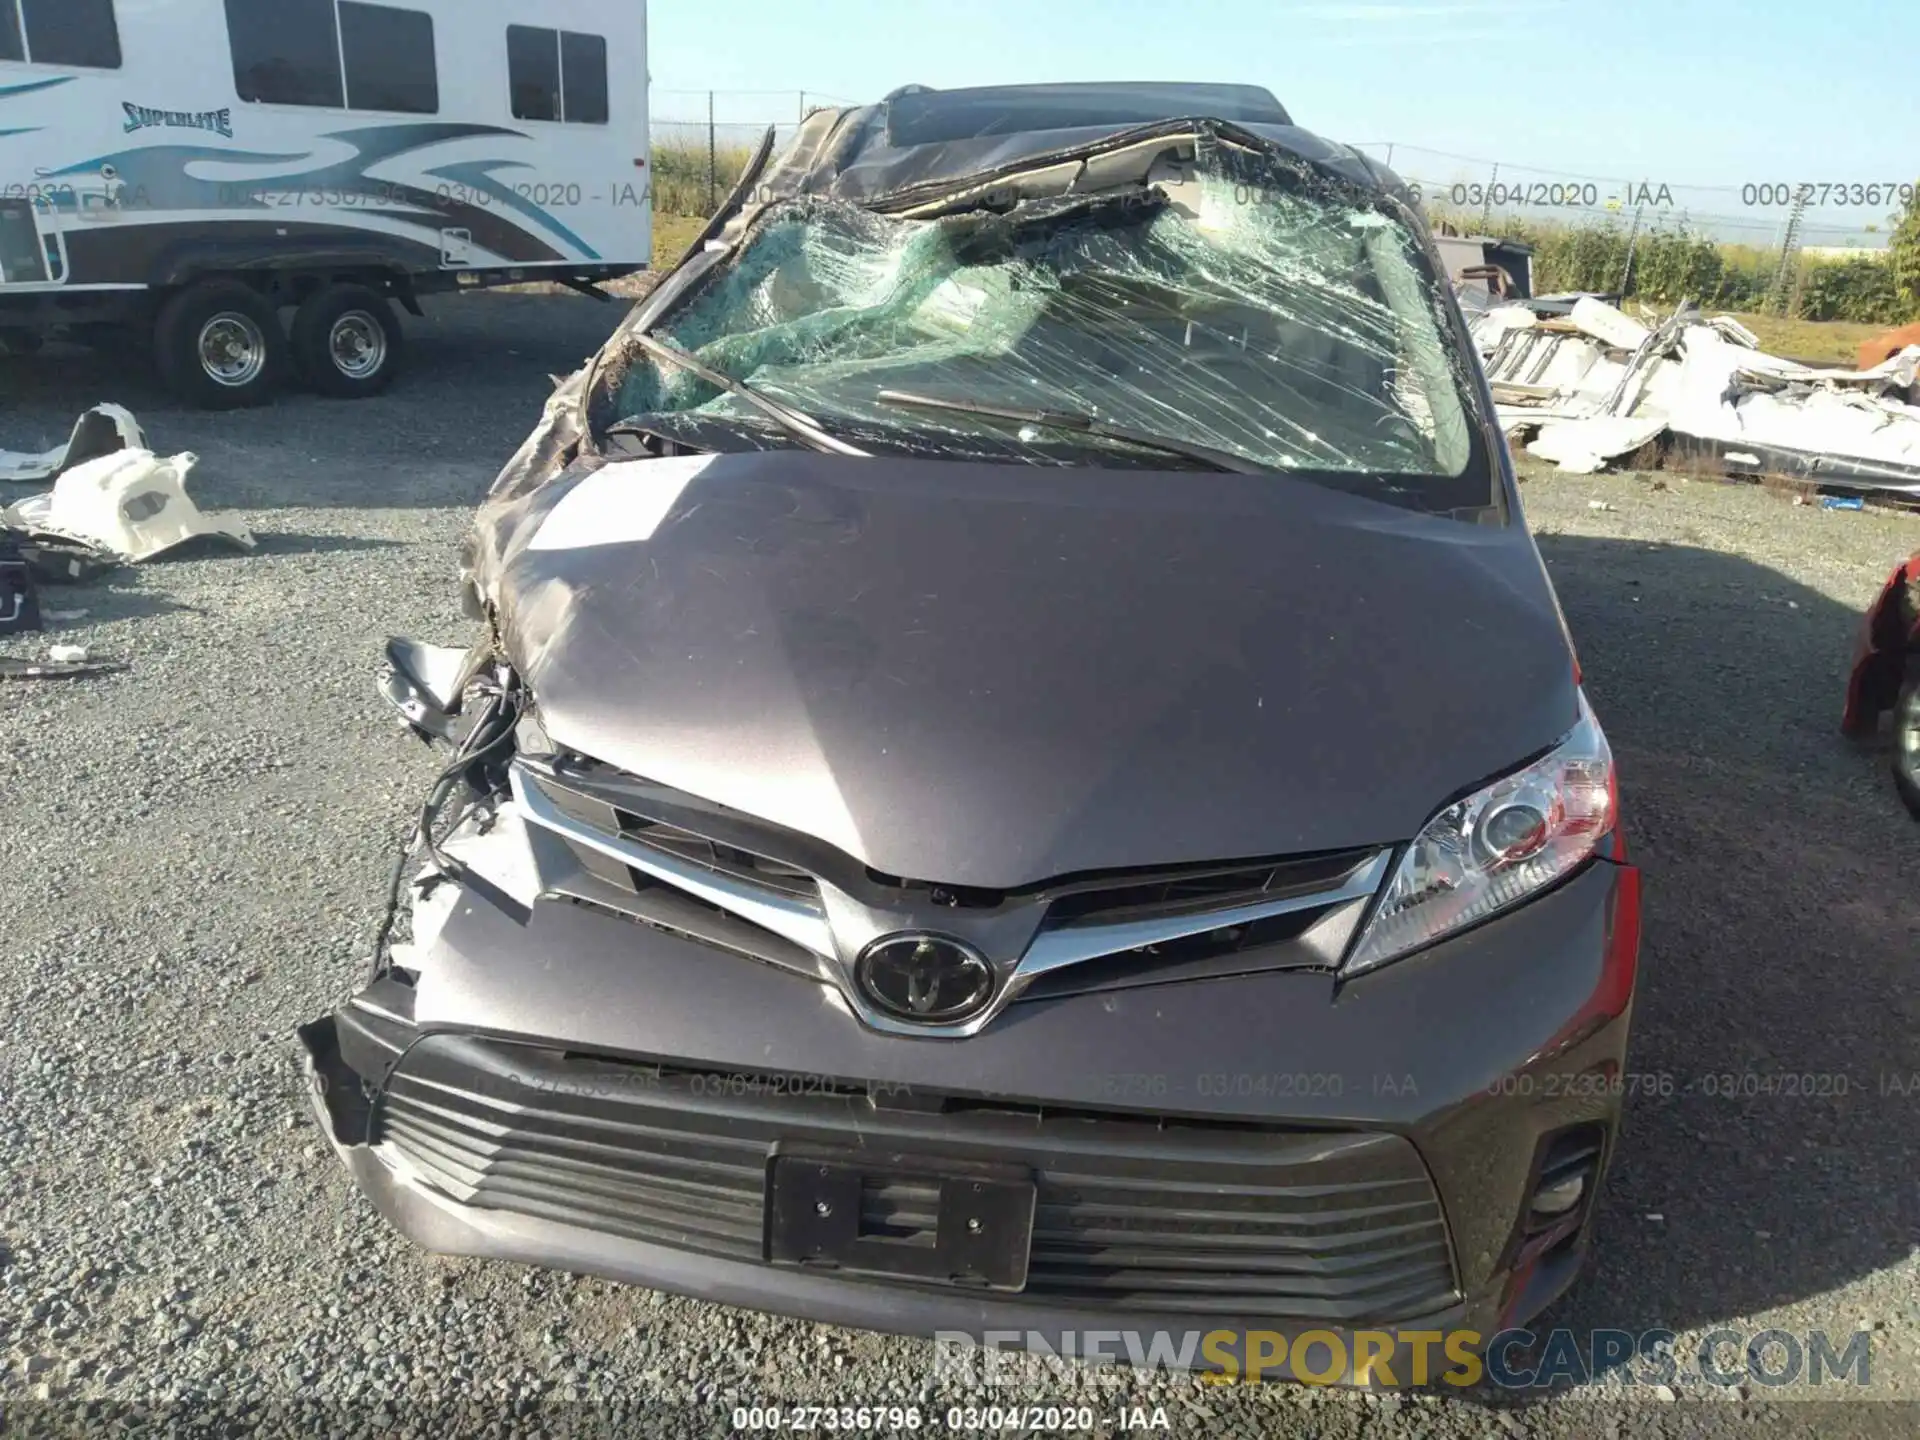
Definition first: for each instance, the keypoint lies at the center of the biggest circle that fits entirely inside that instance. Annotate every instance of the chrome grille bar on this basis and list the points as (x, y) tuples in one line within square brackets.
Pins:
[(791, 919), (835, 926), (1074, 944)]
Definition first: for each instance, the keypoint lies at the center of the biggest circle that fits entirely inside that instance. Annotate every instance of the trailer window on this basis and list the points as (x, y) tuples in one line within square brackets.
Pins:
[(389, 59), (533, 72), (557, 75), (583, 79), (344, 55), (285, 52), (60, 32)]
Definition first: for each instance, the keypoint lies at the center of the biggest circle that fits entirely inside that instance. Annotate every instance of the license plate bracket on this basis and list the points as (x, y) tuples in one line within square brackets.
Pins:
[(820, 1205)]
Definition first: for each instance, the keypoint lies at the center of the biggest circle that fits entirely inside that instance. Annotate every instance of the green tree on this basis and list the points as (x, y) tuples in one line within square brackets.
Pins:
[(1859, 288), (1903, 253)]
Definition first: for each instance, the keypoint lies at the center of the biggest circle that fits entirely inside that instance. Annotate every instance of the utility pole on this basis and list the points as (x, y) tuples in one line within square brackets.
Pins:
[(1633, 234), (1486, 210), (713, 159), (1780, 293)]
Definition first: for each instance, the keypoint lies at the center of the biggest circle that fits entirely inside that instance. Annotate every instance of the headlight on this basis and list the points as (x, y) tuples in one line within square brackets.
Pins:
[(1490, 851)]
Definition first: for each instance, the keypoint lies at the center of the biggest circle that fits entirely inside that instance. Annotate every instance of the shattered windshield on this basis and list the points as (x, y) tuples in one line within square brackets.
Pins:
[(1230, 306)]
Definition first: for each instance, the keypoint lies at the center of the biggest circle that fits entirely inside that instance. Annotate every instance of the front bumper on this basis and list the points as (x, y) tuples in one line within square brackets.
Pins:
[(587, 1094)]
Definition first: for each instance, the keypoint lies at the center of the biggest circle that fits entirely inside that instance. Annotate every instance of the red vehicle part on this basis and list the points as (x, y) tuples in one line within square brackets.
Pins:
[(1890, 632)]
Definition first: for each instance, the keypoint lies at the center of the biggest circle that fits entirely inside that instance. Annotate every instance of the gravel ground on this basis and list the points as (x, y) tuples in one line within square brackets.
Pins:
[(192, 855)]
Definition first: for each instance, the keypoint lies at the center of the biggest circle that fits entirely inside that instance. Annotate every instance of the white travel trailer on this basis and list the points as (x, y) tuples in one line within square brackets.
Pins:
[(192, 168)]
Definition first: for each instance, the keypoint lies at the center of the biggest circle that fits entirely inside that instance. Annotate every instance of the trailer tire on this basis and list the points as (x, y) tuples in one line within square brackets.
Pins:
[(219, 346), (347, 342)]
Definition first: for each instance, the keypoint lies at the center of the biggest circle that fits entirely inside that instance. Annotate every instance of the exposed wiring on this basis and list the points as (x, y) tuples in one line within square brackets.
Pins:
[(502, 710)]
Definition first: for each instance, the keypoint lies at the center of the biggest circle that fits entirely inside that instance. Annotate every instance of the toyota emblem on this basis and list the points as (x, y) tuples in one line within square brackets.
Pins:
[(928, 979)]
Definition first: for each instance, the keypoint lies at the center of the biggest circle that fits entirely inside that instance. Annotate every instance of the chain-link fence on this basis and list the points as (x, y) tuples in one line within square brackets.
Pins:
[(1813, 249), (702, 138), (1477, 194)]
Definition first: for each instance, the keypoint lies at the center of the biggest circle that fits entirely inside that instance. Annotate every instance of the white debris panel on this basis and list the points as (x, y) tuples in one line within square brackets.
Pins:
[(100, 431), (1592, 386), (130, 505)]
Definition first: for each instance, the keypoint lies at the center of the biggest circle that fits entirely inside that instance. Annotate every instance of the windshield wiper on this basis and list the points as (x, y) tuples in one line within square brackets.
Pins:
[(1085, 423), (800, 426)]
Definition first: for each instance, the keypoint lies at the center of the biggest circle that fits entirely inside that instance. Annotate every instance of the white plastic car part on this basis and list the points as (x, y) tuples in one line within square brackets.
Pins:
[(103, 428), (131, 503)]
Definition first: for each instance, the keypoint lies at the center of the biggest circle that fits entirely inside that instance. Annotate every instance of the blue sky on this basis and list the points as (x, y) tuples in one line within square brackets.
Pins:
[(1690, 93)]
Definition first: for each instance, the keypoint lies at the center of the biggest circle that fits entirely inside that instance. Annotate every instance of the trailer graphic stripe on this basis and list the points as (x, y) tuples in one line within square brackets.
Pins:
[(478, 175), (7, 92), (170, 252), (156, 177)]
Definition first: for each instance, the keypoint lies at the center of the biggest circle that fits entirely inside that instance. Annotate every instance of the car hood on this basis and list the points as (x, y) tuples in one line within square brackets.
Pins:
[(989, 675)]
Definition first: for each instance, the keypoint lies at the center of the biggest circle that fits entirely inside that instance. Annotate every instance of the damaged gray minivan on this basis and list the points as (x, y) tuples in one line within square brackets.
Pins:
[(1023, 770)]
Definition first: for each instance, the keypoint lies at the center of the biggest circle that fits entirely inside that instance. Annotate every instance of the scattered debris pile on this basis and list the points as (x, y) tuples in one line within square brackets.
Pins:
[(1594, 385), (113, 502)]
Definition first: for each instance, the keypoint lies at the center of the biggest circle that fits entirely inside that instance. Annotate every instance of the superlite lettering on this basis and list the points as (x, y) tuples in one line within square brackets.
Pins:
[(142, 117)]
